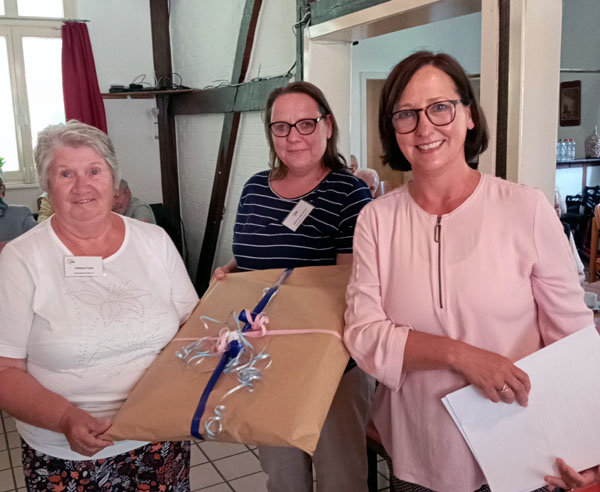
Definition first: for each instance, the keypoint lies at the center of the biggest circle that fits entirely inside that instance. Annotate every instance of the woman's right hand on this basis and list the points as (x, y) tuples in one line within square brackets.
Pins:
[(222, 271), (83, 431), (570, 479), (493, 374), (219, 274)]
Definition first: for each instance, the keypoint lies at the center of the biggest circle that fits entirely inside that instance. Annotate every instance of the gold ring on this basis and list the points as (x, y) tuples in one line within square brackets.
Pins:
[(505, 388)]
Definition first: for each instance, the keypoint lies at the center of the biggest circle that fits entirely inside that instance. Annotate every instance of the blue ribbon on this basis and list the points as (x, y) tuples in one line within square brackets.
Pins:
[(233, 349)]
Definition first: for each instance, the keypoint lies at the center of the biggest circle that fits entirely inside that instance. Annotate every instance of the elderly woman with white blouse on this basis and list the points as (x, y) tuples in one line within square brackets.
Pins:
[(89, 300)]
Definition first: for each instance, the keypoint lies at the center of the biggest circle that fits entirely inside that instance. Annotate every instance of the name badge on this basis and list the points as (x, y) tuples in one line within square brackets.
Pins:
[(297, 215), (83, 266)]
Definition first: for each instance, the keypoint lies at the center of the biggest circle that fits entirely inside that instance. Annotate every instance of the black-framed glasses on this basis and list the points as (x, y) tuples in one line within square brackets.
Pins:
[(440, 113), (305, 126)]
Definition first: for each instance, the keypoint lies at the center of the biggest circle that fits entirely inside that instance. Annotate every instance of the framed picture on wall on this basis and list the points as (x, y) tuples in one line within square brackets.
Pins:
[(570, 103)]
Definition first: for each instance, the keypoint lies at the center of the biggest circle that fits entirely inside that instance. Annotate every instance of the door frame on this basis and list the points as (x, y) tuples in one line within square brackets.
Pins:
[(363, 77)]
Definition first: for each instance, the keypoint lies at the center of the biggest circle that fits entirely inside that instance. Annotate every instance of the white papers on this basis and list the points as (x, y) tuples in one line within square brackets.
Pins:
[(516, 446)]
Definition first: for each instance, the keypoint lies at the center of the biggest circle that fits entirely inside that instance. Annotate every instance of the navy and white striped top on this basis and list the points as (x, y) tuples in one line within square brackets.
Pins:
[(261, 241)]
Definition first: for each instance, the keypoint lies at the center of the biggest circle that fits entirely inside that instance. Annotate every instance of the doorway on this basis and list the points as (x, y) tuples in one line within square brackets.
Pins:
[(372, 152)]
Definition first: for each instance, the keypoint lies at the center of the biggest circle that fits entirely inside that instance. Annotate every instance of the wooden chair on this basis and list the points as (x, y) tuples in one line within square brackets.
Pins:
[(594, 261)]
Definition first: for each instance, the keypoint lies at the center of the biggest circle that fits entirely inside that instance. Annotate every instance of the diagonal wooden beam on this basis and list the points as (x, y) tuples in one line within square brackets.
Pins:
[(226, 147), (161, 51)]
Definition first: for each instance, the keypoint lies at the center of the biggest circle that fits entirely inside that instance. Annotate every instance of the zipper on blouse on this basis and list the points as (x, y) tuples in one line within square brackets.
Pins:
[(437, 237)]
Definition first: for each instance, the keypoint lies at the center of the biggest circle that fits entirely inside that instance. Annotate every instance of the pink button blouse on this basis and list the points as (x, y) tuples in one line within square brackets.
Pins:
[(496, 272)]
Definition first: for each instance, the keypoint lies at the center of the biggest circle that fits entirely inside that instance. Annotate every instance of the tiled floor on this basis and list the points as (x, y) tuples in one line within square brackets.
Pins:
[(216, 467)]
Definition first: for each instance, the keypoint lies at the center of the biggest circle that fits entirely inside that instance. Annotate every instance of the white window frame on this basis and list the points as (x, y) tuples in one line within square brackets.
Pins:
[(14, 29)]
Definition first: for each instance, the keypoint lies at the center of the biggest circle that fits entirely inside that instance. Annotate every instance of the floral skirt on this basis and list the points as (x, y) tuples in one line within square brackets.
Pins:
[(161, 466)]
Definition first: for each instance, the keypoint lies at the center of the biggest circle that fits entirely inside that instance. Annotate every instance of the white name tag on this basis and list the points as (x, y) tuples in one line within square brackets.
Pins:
[(83, 266), (297, 215)]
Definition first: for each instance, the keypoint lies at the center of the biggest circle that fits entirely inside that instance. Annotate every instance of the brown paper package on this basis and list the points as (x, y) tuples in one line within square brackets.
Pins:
[(289, 405)]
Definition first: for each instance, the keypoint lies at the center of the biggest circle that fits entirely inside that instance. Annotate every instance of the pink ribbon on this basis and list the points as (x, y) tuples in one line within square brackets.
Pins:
[(258, 330), (258, 326)]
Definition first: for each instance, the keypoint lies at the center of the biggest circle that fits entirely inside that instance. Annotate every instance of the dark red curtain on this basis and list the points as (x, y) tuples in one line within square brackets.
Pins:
[(83, 100)]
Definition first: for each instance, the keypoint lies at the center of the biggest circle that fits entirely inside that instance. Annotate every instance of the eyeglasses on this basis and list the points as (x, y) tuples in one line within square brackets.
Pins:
[(440, 113), (305, 126)]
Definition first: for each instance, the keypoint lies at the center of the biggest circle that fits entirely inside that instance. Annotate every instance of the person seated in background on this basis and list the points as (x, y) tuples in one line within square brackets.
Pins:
[(14, 219), (125, 204), (370, 177), (45, 209), (353, 164)]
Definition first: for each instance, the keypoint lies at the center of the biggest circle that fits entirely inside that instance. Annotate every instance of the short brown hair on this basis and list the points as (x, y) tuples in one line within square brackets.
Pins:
[(332, 159), (477, 138)]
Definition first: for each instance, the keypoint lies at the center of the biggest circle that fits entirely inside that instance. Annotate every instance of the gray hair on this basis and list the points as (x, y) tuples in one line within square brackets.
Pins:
[(367, 171), (123, 185), (73, 133)]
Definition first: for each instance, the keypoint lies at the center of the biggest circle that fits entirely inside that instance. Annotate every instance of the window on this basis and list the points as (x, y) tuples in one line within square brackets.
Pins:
[(30, 79)]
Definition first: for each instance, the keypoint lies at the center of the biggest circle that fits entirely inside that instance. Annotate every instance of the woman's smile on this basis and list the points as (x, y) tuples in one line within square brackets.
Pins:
[(430, 146)]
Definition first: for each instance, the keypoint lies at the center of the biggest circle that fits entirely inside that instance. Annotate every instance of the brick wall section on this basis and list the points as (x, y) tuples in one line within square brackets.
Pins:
[(204, 37)]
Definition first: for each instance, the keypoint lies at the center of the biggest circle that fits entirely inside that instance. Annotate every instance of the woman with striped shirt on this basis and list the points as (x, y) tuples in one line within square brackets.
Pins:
[(299, 213)]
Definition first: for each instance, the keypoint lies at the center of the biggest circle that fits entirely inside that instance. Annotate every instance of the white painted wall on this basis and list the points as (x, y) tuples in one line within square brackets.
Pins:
[(459, 37), (533, 93), (203, 41), (324, 61), (121, 39)]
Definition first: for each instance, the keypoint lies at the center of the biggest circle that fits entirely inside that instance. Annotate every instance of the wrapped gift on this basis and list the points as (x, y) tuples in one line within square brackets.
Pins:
[(300, 369)]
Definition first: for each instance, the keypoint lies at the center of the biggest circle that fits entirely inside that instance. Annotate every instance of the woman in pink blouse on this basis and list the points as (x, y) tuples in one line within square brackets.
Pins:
[(456, 275)]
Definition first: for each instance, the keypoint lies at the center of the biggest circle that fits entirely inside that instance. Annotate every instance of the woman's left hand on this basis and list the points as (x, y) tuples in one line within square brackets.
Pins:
[(491, 373), (570, 479), (84, 432)]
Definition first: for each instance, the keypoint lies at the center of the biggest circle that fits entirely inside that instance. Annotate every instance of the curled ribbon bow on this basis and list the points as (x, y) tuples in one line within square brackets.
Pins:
[(258, 325), (242, 361)]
